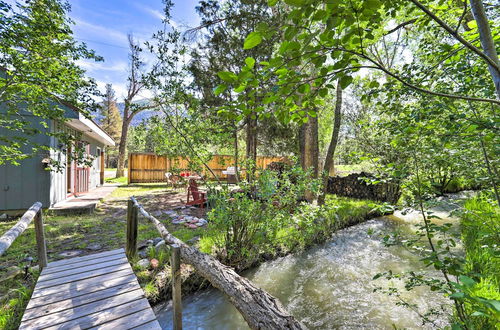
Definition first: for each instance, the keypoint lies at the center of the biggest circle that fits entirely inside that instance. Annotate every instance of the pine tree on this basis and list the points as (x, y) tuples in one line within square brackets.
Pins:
[(111, 121)]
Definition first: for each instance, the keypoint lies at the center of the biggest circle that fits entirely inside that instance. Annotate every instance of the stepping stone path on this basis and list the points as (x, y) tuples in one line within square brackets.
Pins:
[(184, 218)]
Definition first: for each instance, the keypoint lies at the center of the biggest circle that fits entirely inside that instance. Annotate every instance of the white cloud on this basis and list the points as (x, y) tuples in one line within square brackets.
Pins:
[(120, 66), (101, 31), (156, 13)]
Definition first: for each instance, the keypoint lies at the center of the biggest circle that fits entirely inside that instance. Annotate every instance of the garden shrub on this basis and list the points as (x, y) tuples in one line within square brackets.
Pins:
[(268, 218)]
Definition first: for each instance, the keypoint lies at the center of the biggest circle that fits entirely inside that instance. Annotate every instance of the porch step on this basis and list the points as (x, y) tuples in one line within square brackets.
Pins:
[(74, 208)]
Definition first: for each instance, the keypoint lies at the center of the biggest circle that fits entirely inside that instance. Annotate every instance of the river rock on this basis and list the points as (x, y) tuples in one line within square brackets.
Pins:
[(157, 240), (70, 253), (201, 222), (193, 240), (3, 216), (94, 246), (179, 220), (157, 213), (160, 245), (143, 253), (143, 263), (171, 213), (155, 263)]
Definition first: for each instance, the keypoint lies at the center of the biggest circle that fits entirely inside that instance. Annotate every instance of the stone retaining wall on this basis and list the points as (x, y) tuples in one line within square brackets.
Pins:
[(354, 186)]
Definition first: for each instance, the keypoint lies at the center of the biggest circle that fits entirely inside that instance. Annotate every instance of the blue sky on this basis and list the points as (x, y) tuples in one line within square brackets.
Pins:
[(104, 24)]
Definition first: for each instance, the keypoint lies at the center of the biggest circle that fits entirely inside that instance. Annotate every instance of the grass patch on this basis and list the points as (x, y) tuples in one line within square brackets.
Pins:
[(120, 180), (353, 168), (106, 227), (139, 189), (481, 236)]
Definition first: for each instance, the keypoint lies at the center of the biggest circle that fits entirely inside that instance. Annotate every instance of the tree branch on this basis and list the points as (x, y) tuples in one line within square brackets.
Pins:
[(457, 36), (401, 26)]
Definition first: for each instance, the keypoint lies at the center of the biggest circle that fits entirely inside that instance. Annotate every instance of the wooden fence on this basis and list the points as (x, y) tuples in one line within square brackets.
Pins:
[(148, 167)]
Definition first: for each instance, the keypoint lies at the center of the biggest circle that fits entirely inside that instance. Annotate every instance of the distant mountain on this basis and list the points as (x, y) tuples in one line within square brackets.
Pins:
[(137, 118)]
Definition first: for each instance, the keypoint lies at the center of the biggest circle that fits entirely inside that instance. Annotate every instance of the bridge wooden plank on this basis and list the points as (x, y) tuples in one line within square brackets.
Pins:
[(82, 269), (80, 291), (92, 292), (83, 258), (69, 289), (45, 321), (107, 315), (73, 302), (144, 319), (153, 325), (82, 276), (82, 264)]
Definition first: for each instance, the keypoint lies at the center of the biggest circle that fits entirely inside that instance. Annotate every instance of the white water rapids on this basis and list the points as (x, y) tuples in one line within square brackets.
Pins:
[(330, 286)]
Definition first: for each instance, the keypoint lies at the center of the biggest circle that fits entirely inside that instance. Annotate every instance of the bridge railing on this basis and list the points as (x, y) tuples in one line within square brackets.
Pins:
[(175, 260), (33, 213)]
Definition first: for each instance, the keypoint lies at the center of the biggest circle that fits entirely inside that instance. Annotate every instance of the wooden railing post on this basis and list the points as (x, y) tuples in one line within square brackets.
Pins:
[(41, 248), (131, 247), (175, 264)]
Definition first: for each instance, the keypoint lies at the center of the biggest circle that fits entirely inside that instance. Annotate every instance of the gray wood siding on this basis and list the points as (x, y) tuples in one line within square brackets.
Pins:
[(22, 185)]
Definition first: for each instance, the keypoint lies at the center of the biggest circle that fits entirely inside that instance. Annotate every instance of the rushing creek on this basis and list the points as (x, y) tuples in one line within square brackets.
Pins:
[(330, 286)]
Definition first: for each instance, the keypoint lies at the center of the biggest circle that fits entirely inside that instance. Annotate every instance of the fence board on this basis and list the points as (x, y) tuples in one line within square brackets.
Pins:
[(149, 168)]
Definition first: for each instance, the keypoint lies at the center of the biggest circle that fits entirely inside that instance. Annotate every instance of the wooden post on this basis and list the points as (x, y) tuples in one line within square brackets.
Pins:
[(131, 247), (41, 248), (175, 264), (129, 168)]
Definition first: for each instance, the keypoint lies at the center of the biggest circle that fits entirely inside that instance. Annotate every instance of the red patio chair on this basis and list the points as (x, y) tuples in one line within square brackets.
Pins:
[(199, 197)]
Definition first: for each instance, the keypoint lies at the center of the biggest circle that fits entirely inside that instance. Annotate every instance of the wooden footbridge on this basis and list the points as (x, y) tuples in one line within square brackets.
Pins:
[(98, 291), (101, 291)]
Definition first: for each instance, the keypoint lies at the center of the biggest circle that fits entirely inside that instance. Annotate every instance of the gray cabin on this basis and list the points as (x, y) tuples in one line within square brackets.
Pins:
[(31, 181)]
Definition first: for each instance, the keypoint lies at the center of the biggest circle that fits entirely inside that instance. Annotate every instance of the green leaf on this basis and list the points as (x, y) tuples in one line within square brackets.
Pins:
[(319, 15), (295, 3), (226, 76), (345, 81), (467, 281), (252, 40), (272, 3), (220, 89), (240, 88), (472, 24), (250, 62), (495, 304), (457, 295)]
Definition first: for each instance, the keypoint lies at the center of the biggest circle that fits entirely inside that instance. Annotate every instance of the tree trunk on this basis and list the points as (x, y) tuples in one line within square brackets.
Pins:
[(309, 150), (251, 151), (487, 43), (333, 144), (236, 164), (259, 309), (122, 149)]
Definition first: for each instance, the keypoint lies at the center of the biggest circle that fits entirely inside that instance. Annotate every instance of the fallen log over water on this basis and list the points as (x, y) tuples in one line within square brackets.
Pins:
[(259, 309)]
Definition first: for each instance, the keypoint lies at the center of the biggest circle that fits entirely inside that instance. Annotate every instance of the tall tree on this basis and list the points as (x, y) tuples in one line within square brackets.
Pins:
[(135, 85), (111, 120), (37, 63), (223, 28), (333, 144)]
